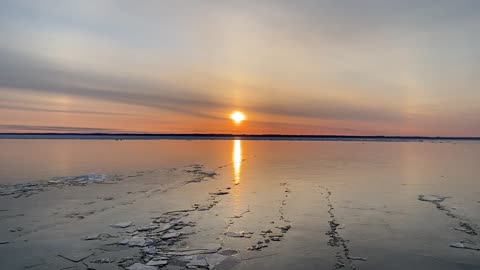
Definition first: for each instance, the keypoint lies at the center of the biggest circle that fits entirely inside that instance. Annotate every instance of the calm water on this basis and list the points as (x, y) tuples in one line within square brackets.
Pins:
[(374, 189), (404, 162)]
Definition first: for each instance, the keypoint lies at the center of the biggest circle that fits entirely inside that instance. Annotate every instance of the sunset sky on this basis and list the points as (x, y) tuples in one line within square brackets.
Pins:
[(293, 67)]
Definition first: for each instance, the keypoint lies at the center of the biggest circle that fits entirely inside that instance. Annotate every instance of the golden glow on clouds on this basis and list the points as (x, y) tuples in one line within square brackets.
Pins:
[(318, 75), (238, 117)]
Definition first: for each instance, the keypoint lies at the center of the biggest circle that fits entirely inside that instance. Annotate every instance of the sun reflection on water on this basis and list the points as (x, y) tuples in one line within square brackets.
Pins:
[(237, 160)]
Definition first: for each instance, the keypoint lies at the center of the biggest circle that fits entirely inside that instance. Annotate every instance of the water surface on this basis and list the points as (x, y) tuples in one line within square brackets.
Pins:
[(371, 187)]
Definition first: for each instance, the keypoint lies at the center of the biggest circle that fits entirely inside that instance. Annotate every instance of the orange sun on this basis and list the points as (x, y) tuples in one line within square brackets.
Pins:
[(237, 117)]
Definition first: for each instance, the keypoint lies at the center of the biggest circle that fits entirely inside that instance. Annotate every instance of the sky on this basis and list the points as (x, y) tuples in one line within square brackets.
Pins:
[(293, 67)]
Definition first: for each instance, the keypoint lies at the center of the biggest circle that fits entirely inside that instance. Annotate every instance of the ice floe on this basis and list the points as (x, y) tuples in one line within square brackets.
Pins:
[(462, 245), (122, 225)]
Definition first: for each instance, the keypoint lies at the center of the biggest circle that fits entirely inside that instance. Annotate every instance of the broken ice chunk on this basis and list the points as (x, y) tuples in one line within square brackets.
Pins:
[(139, 266), (156, 262), (235, 234), (218, 193), (170, 235), (228, 252), (122, 224), (94, 177), (197, 262), (258, 247), (92, 237), (151, 250), (466, 228), (124, 242), (137, 241), (353, 258), (285, 229), (148, 227), (214, 259), (102, 261), (432, 198), (462, 245)]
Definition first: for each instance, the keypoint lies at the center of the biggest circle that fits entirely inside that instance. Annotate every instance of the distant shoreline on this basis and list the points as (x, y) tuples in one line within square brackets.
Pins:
[(141, 136)]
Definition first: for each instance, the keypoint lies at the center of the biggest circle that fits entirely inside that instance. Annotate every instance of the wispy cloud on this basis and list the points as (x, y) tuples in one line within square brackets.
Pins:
[(33, 109), (30, 73), (33, 128)]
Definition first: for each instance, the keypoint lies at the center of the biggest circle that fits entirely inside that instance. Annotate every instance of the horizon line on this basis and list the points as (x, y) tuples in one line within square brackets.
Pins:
[(45, 135)]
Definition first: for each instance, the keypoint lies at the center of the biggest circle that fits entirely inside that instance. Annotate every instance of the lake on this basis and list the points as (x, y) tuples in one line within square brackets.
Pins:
[(245, 204)]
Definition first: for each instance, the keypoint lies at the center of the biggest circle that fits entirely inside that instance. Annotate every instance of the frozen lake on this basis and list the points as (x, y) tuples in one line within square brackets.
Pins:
[(349, 204)]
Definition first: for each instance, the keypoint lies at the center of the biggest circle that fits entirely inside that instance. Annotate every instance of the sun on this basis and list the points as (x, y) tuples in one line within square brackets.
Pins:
[(237, 117)]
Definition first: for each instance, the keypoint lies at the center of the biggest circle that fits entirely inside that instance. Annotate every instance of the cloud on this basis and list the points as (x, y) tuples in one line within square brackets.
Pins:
[(26, 72), (33, 109), (34, 128)]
